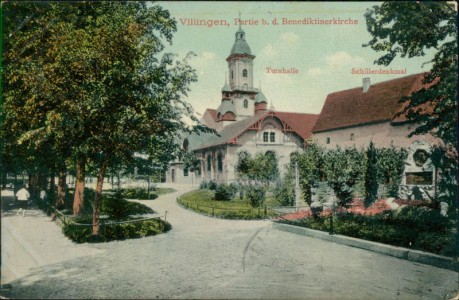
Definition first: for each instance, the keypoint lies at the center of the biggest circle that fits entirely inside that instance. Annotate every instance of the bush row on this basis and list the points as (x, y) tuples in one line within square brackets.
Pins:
[(110, 232), (419, 228)]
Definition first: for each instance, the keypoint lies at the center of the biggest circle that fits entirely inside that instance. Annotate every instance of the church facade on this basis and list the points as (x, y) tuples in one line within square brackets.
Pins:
[(244, 123)]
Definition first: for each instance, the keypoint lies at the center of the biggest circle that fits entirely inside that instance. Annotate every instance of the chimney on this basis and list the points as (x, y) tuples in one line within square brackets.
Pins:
[(366, 84)]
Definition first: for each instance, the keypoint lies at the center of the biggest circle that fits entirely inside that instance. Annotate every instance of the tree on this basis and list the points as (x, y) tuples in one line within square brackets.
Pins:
[(371, 175), (410, 29), (103, 90), (243, 165), (310, 163), (343, 169), (391, 165)]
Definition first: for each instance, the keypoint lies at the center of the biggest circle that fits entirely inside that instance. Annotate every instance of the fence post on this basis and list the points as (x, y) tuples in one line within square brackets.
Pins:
[(331, 224), (266, 213), (165, 216), (213, 210)]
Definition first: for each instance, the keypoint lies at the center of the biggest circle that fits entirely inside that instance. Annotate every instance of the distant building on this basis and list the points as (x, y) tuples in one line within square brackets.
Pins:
[(354, 117), (244, 123)]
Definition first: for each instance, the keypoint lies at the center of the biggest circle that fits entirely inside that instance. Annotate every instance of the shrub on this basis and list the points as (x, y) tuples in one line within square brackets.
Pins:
[(110, 232), (203, 185), (256, 195), (138, 193), (412, 227), (118, 208), (212, 185), (284, 194), (224, 192)]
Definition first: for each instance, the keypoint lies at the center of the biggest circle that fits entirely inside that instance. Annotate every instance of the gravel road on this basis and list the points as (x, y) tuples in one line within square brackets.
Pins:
[(204, 258)]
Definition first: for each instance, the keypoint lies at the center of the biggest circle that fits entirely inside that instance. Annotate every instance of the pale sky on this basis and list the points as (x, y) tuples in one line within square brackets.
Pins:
[(323, 54)]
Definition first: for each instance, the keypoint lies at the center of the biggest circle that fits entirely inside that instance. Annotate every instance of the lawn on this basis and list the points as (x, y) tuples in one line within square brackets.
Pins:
[(202, 201)]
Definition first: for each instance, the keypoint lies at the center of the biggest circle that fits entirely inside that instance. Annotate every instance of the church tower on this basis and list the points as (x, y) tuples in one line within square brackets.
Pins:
[(240, 65)]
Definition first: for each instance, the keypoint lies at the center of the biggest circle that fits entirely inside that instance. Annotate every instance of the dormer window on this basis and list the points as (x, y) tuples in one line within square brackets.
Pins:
[(244, 73)]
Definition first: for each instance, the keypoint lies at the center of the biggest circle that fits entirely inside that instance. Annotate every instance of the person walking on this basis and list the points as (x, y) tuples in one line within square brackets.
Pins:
[(23, 199)]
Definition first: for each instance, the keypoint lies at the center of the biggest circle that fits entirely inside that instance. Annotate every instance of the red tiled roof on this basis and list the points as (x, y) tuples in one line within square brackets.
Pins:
[(380, 103), (210, 118), (302, 124), (299, 123)]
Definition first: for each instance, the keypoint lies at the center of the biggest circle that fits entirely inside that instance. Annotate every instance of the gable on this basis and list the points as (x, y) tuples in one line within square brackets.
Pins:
[(301, 124)]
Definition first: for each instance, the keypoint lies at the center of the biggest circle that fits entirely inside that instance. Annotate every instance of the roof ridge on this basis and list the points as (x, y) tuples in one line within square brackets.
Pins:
[(378, 83)]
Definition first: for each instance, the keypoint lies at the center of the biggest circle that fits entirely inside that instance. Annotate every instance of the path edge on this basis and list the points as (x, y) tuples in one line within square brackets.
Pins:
[(399, 252)]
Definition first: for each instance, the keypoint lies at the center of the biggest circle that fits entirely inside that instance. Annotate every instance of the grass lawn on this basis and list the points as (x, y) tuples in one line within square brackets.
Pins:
[(202, 201), (163, 191)]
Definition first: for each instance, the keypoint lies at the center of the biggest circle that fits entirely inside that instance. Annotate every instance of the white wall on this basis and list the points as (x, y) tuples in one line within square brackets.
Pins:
[(382, 134)]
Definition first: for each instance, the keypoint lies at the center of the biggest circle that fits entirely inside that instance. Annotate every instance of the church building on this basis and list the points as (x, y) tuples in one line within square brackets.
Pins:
[(244, 123)]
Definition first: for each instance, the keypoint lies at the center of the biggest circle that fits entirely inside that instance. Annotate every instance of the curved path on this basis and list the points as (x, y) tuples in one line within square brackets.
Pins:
[(203, 257)]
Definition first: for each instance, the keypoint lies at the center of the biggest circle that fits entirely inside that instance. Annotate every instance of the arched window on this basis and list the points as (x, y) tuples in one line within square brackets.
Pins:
[(244, 73), (220, 162), (246, 103), (209, 163)]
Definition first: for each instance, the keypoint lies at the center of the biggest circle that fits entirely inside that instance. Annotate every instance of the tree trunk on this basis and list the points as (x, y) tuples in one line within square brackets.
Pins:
[(97, 200), (52, 185), (33, 186), (61, 187), (78, 198)]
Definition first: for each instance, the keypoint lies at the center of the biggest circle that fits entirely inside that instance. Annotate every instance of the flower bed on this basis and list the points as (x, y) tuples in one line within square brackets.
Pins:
[(356, 207)]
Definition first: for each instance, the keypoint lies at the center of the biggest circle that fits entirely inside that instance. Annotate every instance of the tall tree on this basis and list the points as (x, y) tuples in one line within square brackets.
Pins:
[(371, 175), (105, 91), (310, 163)]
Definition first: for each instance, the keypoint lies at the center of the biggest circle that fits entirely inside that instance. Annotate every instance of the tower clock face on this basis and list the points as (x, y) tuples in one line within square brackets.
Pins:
[(420, 157)]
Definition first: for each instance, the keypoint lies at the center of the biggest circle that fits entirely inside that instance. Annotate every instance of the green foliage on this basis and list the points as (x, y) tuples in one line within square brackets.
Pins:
[(138, 193), (139, 229), (343, 169), (104, 89), (191, 162), (284, 193), (202, 201), (445, 159), (119, 209), (391, 165), (409, 29), (411, 227), (212, 185), (203, 185), (256, 195), (224, 192), (310, 165), (371, 175), (263, 168), (243, 165)]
